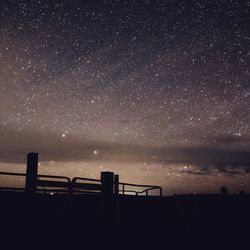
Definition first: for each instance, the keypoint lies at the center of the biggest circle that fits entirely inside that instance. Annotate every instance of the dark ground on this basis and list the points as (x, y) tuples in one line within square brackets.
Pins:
[(183, 221)]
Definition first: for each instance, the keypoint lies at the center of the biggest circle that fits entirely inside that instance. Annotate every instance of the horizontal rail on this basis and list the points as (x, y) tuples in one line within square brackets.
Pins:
[(136, 185), (87, 186), (13, 174), (59, 184), (12, 188), (86, 192), (47, 190), (128, 191), (56, 184), (54, 177), (148, 189), (75, 179)]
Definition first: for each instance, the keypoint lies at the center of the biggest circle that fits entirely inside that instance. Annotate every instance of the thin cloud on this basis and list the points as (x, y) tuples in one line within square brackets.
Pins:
[(53, 147)]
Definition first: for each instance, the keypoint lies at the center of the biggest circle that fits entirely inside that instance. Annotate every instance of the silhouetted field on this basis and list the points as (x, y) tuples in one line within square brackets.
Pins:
[(182, 219)]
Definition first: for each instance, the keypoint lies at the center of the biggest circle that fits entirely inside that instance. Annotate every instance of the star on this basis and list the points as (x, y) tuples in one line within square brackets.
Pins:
[(123, 85)]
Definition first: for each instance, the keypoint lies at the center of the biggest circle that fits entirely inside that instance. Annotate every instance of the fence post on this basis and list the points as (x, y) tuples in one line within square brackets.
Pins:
[(107, 203), (160, 192), (116, 184), (31, 173), (117, 205)]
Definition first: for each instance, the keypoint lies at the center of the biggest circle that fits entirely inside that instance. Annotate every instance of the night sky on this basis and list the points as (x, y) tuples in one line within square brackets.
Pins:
[(157, 91)]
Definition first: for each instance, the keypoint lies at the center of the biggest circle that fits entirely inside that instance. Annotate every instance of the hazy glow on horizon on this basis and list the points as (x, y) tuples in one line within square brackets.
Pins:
[(158, 92)]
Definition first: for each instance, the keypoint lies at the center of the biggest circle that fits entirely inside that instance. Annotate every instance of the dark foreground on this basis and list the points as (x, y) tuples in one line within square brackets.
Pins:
[(178, 221)]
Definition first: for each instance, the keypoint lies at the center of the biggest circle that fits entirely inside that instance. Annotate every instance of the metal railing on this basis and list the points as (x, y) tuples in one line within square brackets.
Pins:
[(13, 174), (81, 187), (13, 189), (146, 191), (59, 186), (64, 184)]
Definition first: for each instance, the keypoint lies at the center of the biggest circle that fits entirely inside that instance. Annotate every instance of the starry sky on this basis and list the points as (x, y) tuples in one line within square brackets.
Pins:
[(157, 91)]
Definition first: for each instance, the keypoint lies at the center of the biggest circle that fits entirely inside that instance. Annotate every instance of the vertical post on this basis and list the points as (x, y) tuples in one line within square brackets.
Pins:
[(160, 191), (107, 205), (116, 184), (107, 183), (117, 205), (31, 173)]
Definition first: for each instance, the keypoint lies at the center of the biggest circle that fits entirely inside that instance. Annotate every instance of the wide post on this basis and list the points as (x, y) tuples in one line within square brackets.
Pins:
[(31, 173), (107, 204), (107, 183)]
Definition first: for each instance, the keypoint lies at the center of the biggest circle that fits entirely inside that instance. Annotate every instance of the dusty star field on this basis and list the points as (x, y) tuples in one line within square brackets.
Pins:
[(157, 91)]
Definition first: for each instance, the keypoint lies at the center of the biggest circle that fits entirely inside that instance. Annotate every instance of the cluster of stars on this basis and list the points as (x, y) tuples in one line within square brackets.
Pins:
[(150, 73)]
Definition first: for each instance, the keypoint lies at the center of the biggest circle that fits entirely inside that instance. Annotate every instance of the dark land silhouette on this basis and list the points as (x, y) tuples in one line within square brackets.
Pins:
[(79, 211)]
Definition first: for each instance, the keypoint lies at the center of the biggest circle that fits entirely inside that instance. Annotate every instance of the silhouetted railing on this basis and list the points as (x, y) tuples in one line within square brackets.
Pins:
[(13, 174), (107, 187), (58, 185), (16, 189), (80, 187), (47, 184), (146, 191)]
